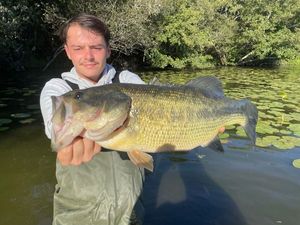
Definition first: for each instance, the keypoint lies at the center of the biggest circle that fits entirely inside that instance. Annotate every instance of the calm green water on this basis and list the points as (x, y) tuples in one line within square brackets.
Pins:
[(241, 186)]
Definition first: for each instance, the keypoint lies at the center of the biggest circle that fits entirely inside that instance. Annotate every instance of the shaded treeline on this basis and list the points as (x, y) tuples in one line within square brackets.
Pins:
[(158, 33)]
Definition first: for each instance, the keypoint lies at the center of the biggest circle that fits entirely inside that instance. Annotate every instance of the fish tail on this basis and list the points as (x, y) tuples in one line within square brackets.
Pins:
[(251, 113)]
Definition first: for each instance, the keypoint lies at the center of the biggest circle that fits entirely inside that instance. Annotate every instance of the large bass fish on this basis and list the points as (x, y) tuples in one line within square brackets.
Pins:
[(141, 119)]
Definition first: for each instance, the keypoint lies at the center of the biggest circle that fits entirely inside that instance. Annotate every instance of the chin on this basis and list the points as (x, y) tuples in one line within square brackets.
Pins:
[(91, 74)]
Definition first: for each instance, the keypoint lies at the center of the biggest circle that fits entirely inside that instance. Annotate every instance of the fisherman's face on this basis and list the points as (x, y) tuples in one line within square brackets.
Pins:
[(88, 52)]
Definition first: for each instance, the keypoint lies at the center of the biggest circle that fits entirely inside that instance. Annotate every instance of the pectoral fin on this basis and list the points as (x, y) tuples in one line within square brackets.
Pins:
[(141, 159)]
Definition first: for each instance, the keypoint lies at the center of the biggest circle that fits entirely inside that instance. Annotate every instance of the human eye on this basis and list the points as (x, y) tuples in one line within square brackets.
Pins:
[(98, 47), (77, 48)]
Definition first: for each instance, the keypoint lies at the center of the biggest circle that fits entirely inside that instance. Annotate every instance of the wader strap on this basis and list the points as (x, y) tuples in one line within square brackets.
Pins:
[(72, 85), (116, 78)]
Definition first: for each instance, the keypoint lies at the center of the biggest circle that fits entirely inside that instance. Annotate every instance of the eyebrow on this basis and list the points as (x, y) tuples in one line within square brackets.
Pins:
[(98, 45)]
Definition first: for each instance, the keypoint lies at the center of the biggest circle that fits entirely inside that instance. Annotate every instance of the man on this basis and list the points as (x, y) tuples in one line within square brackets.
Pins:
[(92, 187)]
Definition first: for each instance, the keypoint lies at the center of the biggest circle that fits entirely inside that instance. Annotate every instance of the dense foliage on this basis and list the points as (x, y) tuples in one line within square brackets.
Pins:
[(23, 36), (227, 32), (161, 33)]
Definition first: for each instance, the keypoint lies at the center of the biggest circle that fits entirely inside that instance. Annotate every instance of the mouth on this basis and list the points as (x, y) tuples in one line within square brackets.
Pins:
[(64, 127), (90, 65)]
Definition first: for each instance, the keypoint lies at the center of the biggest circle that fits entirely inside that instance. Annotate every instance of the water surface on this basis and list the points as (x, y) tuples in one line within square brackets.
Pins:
[(241, 186)]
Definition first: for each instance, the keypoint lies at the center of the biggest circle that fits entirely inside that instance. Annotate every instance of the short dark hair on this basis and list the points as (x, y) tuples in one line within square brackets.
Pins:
[(87, 21)]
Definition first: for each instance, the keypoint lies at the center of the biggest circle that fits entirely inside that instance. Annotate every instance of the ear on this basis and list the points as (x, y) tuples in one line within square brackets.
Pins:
[(108, 53), (67, 50)]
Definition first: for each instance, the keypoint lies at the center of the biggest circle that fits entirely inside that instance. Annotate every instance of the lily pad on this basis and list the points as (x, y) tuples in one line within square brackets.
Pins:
[(282, 144), (230, 127), (265, 129), (271, 138), (26, 121), (262, 143), (296, 163), (34, 106), (294, 127), (20, 115), (297, 133), (224, 141), (4, 128), (291, 139), (224, 135), (286, 132), (277, 109), (262, 107), (240, 132), (5, 121), (36, 112)]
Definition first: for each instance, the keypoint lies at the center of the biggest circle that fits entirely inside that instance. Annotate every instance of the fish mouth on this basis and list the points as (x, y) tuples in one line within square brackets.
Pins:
[(64, 127)]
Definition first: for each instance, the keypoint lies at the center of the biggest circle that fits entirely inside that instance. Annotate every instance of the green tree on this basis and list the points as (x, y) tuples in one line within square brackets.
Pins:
[(163, 33), (268, 30), (226, 32), (193, 34), (21, 35)]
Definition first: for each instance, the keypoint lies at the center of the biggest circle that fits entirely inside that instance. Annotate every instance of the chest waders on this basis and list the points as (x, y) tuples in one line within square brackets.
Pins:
[(104, 191)]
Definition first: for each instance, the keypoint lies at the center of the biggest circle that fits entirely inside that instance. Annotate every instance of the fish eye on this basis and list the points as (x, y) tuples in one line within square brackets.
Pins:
[(78, 95)]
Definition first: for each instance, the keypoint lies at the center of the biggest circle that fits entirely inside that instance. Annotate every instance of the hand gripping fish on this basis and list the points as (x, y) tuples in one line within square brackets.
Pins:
[(141, 119)]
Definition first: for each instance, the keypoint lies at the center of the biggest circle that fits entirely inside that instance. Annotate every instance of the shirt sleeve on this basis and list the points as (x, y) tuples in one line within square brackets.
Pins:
[(54, 87), (129, 77)]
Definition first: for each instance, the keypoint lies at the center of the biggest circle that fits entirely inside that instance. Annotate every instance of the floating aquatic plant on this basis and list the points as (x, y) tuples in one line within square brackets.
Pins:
[(264, 127), (34, 106), (285, 132), (295, 128), (292, 139), (4, 121), (4, 129), (20, 115), (240, 132), (26, 121), (296, 163), (224, 135), (261, 142), (282, 144)]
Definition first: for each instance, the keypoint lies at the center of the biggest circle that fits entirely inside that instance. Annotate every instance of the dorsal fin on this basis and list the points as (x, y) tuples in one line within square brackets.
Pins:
[(156, 81), (210, 86)]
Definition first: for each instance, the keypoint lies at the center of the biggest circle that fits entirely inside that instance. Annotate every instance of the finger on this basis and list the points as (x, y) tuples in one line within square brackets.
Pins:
[(78, 151), (88, 150), (97, 148), (65, 155)]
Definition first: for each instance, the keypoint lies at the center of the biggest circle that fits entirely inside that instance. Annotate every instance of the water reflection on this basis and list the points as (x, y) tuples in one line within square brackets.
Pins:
[(183, 193)]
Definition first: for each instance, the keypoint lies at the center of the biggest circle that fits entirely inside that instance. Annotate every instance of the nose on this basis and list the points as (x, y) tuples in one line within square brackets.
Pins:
[(89, 54)]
